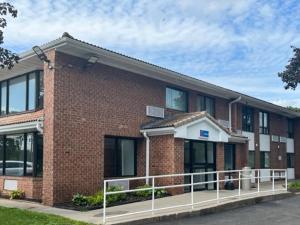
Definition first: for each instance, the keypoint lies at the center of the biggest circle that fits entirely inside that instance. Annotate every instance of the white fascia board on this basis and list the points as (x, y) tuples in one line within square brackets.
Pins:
[(20, 127), (159, 131)]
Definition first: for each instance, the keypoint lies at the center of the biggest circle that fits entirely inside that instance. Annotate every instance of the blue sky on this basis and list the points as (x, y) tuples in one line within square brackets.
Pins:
[(238, 44)]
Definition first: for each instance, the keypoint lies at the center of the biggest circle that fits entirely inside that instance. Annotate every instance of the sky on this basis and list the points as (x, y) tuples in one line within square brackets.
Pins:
[(237, 44)]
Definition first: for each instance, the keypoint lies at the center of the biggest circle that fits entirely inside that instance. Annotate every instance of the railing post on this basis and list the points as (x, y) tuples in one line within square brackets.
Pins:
[(218, 188), (239, 183), (104, 203), (192, 190), (258, 181), (273, 180), (286, 180), (153, 195)]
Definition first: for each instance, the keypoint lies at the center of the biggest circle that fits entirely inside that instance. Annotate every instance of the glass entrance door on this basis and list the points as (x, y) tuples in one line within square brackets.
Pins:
[(200, 157)]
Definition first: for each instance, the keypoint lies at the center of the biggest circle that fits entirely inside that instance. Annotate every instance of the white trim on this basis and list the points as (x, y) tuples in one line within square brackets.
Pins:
[(19, 127), (159, 131)]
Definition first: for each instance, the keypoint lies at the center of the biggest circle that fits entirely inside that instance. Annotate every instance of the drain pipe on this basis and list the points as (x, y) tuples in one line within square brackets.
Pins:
[(230, 105), (40, 125), (147, 156)]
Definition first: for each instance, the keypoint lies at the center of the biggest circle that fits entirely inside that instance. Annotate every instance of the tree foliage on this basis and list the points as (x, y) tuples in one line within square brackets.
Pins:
[(293, 108), (291, 75), (7, 58)]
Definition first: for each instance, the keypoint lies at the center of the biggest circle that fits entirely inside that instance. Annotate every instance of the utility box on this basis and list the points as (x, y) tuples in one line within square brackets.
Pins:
[(246, 178)]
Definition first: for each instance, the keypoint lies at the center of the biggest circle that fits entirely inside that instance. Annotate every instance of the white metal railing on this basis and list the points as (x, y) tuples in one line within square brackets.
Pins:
[(218, 179)]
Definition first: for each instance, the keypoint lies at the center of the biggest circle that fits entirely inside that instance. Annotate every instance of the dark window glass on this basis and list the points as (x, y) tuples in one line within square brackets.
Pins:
[(290, 129), (17, 94), (119, 157), (199, 152), (263, 123), (290, 160), (3, 97), (247, 119), (1, 155), (29, 154), (186, 152), (210, 152), (264, 160), (206, 104), (229, 157), (41, 90), (32, 91), (251, 159), (14, 160), (39, 155), (176, 99)]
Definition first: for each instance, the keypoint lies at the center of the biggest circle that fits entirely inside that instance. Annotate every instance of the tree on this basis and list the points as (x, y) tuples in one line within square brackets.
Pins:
[(7, 58), (291, 75), (293, 108)]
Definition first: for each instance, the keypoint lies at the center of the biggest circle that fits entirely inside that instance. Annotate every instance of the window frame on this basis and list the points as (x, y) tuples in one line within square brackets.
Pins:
[(117, 153), (38, 106), (186, 99), (245, 126), (262, 163), (34, 161), (205, 97), (262, 128)]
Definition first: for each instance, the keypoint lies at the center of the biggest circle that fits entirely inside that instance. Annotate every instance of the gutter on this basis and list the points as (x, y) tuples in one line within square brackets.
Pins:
[(230, 105)]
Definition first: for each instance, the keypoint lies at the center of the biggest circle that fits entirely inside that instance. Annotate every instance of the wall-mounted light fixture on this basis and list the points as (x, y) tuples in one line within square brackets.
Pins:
[(41, 55)]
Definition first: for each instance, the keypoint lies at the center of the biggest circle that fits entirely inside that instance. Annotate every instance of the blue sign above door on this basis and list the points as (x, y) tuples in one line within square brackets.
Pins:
[(204, 133)]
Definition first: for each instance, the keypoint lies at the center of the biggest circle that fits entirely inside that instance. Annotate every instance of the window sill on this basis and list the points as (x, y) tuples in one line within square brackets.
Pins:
[(21, 113)]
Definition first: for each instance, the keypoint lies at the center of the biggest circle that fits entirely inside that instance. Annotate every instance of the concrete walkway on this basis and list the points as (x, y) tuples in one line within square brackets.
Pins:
[(95, 216)]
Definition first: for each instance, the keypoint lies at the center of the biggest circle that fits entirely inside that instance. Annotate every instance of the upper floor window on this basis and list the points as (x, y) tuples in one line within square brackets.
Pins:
[(247, 119), (290, 129), (207, 104), (263, 123), (176, 99), (22, 93)]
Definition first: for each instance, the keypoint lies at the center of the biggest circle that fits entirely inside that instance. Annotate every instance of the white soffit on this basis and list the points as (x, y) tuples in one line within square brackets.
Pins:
[(19, 127)]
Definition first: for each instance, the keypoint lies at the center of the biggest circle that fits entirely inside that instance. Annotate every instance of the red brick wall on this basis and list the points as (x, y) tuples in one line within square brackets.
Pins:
[(32, 186)]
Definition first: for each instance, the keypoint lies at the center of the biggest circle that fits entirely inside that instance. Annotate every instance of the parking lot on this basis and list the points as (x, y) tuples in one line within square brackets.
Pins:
[(281, 212)]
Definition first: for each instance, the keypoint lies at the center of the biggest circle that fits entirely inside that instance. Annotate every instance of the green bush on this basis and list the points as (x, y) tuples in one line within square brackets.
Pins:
[(96, 199), (294, 186), (115, 197), (147, 193), (17, 194), (80, 200)]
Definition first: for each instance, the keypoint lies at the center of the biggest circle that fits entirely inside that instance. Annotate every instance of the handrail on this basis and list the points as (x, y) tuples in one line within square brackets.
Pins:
[(257, 177)]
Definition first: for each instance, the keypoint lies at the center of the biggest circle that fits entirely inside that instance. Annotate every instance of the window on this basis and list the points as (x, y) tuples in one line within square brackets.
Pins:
[(176, 99), (290, 160), (264, 160), (206, 104), (229, 157), (263, 123), (119, 157), (290, 129), (22, 93), (18, 153), (247, 119), (251, 159)]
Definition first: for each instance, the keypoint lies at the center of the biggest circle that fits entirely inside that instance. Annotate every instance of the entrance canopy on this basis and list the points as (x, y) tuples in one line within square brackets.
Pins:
[(194, 126)]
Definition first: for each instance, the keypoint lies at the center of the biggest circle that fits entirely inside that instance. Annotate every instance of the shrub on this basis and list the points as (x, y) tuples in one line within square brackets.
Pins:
[(294, 186), (159, 193), (115, 197), (80, 200), (147, 193), (96, 199), (17, 194)]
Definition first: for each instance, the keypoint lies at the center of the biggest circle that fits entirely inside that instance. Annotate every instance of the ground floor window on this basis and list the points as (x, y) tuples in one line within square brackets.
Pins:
[(251, 159), (264, 160), (119, 157), (21, 154), (229, 157), (290, 160)]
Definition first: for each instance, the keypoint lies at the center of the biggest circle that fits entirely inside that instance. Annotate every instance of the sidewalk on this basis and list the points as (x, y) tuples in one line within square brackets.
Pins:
[(95, 216)]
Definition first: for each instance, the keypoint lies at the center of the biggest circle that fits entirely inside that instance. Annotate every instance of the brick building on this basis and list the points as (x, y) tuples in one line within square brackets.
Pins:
[(87, 113)]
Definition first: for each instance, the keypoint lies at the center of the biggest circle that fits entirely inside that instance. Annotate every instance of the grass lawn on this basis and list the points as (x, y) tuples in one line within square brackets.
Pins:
[(11, 216)]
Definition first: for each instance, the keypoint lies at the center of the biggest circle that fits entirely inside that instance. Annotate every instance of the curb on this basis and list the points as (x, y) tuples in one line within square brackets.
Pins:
[(209, 210)]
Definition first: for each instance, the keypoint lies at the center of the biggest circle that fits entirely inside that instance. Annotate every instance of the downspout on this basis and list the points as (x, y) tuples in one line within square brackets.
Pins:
[(230, 105), (147, 156), (40, 125)]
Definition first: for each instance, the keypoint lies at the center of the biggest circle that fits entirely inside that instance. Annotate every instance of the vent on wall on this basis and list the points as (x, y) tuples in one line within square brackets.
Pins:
[(154, 111), (275, 138), (283, 139)]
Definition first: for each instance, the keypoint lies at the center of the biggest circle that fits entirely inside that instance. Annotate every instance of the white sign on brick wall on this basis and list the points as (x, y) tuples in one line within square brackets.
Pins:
[(10, 185)]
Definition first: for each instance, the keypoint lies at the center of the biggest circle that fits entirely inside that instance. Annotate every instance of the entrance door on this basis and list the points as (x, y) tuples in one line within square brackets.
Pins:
[(200, 157)]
